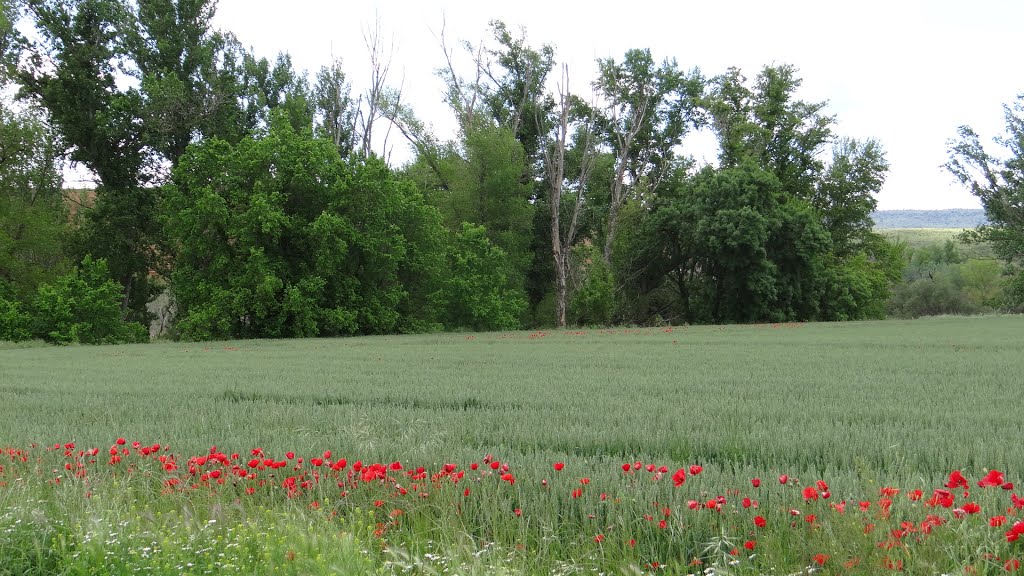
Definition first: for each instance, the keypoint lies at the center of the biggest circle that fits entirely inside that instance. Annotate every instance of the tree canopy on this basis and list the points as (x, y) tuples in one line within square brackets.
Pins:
[(253, 195)]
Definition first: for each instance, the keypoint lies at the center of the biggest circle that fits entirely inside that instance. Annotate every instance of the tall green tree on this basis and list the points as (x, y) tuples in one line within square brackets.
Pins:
[(279, 236), (768, 123), (647, 110), (845, 193), (998, 182), (172, 46), (34, 220), (73, 71), (335, 113)]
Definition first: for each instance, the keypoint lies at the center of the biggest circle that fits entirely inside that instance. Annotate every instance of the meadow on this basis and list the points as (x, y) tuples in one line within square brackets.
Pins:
[(917, 238), (458, 437)]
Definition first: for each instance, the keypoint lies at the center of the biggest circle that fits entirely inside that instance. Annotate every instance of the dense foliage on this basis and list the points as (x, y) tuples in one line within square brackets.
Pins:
[(252, 194)]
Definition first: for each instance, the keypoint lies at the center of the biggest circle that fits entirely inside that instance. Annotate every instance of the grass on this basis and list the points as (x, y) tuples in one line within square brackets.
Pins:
[(917, 237), (860, 405)]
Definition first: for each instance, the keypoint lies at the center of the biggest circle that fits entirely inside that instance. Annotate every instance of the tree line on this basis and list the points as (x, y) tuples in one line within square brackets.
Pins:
[(253, 192)]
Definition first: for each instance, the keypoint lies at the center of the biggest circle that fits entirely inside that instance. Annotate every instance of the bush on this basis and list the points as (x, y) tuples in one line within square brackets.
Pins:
[(83, 307), (14, 322), (941, 293), (593, 302), (479, 294)]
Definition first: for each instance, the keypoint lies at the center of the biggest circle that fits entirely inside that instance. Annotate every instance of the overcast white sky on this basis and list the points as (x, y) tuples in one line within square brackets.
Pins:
[(907, 72)]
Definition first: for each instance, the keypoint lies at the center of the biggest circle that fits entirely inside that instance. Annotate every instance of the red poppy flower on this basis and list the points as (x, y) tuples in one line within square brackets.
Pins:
[(941, 497), (749, 544), (810, 493), (760, 522), (993, 478), (820, 559), (956, 480), (996, 521), (783, 479), (559, 466), (679, 478), (696, 469), (1014, 533), (1017, 501), (756, 482), (599, 538)]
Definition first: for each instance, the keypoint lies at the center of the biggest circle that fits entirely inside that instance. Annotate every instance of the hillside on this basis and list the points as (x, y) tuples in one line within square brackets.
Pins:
[(952, 218)]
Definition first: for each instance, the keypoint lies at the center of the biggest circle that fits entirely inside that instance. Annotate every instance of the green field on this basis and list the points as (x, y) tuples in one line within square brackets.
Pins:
[(917, 237), (856, 404)]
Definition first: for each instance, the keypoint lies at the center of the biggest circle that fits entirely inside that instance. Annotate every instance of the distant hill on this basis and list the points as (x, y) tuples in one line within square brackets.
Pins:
[(958, 218)]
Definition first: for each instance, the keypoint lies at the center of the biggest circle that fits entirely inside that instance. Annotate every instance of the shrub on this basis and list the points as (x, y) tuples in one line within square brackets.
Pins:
[(83, 307), (14, 321)]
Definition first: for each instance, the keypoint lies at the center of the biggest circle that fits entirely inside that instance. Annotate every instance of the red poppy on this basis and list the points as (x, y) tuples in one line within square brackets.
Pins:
[(695, 469), (1014, 533), (756, 482), (760, 522), (1017, 501), (783, 479), (559, 466), (820, 559), (993, 478), (941, 497), (749, 544), (599, 538), (679, 478), (996, 521), (956, 480), (810, 493)]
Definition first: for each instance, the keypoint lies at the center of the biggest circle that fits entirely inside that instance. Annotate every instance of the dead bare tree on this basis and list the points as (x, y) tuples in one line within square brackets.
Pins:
[(380, 65), (625, 139), (554, 167)]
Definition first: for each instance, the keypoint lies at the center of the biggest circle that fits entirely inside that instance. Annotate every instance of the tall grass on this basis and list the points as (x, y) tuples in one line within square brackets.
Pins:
[(861, 405)]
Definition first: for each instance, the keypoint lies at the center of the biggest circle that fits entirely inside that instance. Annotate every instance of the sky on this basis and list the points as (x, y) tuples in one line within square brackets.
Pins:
[(905, 72)]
